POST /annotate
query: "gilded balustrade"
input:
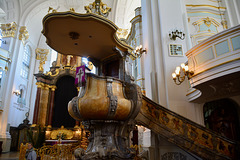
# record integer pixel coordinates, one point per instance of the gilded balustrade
(185, 133)
(57, 151)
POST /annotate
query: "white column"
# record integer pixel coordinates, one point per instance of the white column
(185, 23)
(230, 19)
(237, 10)
(4, 132)
(159, 54)
(149, 63)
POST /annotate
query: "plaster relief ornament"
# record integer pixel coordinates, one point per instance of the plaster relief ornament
(9, 29)
(42, 56)
(23, 34)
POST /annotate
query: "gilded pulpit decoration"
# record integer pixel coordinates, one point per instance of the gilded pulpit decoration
(42, 56)
(23, 34)
(122, 33)
(98, 7)
(51, 9)
(69, 57)
(72, 10)
(9, 29)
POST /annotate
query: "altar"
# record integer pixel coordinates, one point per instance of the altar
(60, 142)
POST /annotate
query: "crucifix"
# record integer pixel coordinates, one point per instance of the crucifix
(80, 75)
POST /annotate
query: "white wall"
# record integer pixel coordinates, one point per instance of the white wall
(160, 17)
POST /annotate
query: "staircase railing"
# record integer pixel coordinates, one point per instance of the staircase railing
(185, 133)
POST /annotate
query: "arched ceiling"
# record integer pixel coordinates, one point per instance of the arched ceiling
(33, 11)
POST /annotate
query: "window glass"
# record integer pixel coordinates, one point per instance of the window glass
(25, 63)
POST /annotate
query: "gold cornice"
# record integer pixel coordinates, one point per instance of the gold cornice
(208, 6)
(9, 29)
(204, 12)
(203, 34)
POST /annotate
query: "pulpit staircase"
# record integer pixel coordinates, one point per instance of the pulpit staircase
(185, 133)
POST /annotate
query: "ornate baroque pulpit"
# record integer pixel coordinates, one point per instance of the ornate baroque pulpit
(108, 102)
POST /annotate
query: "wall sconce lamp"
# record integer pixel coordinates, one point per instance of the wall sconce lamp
(17, 93)
(139, 51)
(178, 79)
(176, 34)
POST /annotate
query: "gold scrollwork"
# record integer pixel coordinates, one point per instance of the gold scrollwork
(9, 29)
(224, 24)
(62, 130)
(51, 9)
(122, 33)
(42, 56)
(23, 34)
(207, 21)
(99, 8)
(53, 75)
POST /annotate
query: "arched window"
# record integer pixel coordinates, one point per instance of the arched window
(26, 62)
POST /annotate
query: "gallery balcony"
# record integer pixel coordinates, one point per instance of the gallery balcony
(216, 66)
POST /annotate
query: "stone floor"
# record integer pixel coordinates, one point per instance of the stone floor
(9, 156)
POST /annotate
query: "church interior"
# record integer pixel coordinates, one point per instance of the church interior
(120, 79)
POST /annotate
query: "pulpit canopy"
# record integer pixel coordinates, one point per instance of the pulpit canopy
(86, 35)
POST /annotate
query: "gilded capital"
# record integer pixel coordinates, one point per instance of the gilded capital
(39, 85)
(9, 29)
(46, 86)
(53, 88)
(42, 56)
(23, 34)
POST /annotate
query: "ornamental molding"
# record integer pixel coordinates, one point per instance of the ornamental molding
(23, 34)
(9, 29)
(41, 54)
